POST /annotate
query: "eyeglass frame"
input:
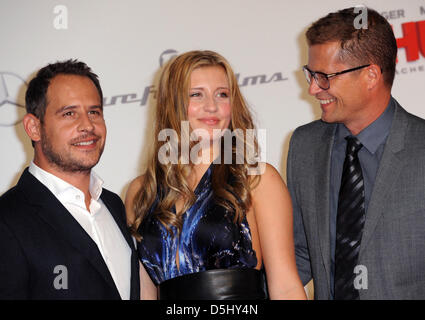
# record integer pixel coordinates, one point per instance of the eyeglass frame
(330, 75)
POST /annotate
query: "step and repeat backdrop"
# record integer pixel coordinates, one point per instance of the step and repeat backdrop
(126, 42)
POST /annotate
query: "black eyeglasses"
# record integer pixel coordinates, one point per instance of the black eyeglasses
(322, 79)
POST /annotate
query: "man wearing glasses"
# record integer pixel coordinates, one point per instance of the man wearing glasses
(357, 176)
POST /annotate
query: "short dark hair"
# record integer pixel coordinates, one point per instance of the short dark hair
(35, 97)
(376, 44)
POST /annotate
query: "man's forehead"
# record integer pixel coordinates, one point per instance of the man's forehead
(68, 80)
(327, 48)
(65, 87)
(324, 54)
(70, 83)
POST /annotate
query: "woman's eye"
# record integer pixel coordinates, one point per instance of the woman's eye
(195, 94)
(223, 95)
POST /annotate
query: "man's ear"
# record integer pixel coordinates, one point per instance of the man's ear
(373, 76)
(32, 127)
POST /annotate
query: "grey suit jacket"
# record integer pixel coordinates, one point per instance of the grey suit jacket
(392, 252)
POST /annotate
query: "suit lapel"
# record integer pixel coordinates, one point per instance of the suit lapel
(387, 175)
(56, 215)
(121, 222)
(116, 213)
(321, 185)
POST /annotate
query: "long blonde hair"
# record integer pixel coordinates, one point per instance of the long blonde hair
(172, 179)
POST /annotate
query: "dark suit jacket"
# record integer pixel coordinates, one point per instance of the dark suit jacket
(37, 234)
(392, 249)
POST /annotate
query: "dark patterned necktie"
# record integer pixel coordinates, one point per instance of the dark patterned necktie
(350, 222)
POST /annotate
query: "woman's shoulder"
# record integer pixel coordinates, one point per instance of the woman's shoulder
(271, 194)
(136, 183)
(267, 172)
(270, 178)
(133, 188)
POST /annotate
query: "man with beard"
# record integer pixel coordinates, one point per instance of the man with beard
(62, 236)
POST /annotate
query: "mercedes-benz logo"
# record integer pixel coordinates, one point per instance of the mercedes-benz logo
(12, 98)
(167, 55)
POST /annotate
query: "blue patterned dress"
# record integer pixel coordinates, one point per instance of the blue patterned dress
(209, 239)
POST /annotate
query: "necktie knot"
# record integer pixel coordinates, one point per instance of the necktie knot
(353, 145)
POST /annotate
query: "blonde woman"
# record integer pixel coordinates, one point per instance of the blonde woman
(208, 222)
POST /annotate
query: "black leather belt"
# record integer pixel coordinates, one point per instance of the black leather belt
(217, 284)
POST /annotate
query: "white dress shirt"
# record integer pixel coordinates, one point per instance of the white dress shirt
(98, 223)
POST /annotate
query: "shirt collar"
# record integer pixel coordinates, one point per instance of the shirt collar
(61, 188)
(373, 135)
